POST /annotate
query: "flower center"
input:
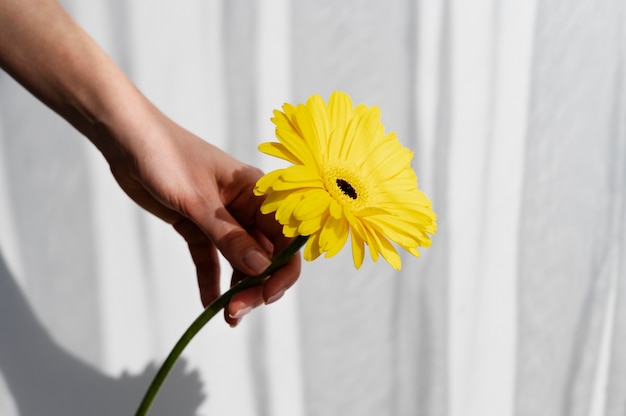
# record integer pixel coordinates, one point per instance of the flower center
(346, 185)
(346, 188)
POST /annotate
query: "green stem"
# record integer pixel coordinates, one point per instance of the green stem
(217, 305)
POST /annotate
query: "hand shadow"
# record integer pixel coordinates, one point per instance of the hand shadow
(44, 379)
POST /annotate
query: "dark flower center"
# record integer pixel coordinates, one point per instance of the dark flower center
(346, 188)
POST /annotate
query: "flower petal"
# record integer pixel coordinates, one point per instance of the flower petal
(314, 204)
(340, 110)
(358, 250)
(337, 237)
(312, 225)
(298, 176)
(336, 210)
(312, 248)
(397, 230)
(294, 143)
(280, 151)
(307, 127)
(264, 184)
(389, 159)
(321, 123)
(273, 201)
(388, 251)
(284, 212)
(301, 173)
(362, 134)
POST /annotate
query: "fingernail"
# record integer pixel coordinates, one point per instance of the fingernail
(241, 312)
(275, 297)
(256, 261)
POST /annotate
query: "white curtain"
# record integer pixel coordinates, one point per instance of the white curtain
(516, 113)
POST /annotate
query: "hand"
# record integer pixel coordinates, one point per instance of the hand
(203, 192)
(207, 196)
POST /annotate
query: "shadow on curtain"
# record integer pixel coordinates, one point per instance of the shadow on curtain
(47, 380)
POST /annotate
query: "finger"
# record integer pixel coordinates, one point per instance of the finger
(282, 279)
(243, 302)
(242, 251)
(207, 271)
(269, 292)
(262, 240)
(205, 258)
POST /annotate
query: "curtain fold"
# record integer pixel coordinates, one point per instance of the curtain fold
(566, 265)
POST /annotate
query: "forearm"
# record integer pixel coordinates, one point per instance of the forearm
(50, 55)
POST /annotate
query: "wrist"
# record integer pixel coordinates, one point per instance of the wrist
(117, 120)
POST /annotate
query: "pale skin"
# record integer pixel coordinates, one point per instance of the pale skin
(202, 191)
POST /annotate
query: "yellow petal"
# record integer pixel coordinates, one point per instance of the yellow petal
(264, 184)
(314, 204)
(349, 136)
(336, 210)
(413, 251)
(301, 173)
(389, 252)
(311, 225)
(371, 244)
(281, 185)
(340, 110)
(395, 229)
(361, 135)
(294, 143)
(273, 201)
(290, 230)
(339, 236)
(385, 167)
(361, 232)
(308, 131)
(420, 220)
(285, 211)
(290, 113)
(329, 233)
(280, 151)
(285, 119)
(424, 240)
(312, 248)
(358, 250)
(319, 115)
(379, 244)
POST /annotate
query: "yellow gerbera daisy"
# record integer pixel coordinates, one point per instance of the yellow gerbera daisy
(348, 178)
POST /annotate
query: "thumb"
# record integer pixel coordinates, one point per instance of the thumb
(242, 251)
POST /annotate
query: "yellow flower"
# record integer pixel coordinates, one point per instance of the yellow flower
(348, 178)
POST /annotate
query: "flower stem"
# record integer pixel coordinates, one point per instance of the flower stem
(218, 304)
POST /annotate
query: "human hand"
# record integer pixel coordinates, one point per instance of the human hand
(202, 191)
(207, 196)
